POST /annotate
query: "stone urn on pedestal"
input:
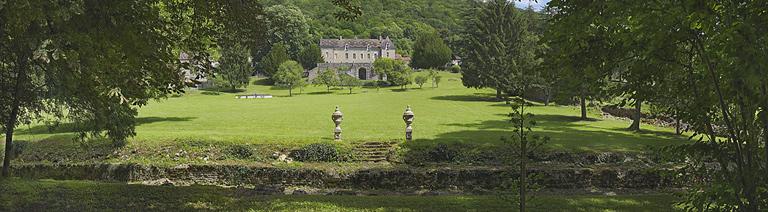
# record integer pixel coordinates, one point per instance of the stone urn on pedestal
(337, 117)
(408, 118)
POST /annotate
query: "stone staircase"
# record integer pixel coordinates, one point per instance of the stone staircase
(373, 151)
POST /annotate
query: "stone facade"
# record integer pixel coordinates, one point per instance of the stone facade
(356, 56)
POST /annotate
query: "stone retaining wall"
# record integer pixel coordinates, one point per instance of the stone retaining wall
(465, 179)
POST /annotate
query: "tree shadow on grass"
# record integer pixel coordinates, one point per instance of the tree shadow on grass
(223, 90)
(64, 149)
(72, 127)
(263, 81)
(320, 93)
(566, 133)
(467, 98)
(647, 132)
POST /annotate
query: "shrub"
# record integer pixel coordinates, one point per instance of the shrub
(420, 80)
(455, 69)
(238, 151)
(318, 152)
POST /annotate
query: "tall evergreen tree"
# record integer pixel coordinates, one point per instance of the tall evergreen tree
(274, 59)
(493, 49)
(430, 51)
(234, 66)
(310, 56)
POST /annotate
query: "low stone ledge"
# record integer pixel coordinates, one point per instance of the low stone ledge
(462, 179)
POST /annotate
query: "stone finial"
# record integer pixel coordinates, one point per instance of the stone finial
(408, 119)
(337, 117)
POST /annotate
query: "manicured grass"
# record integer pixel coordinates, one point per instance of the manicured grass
(450, 113)
(48, 195)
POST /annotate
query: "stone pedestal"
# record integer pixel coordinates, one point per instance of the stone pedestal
(408, 119)
(337, 117)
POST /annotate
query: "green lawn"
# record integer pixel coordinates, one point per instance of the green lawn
(450, 113)
(49, 195)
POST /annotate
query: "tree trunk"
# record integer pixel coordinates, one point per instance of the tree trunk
(764, 117)
(677, 126)
(546, 96)
(523, 157)
(9, 140)
(637, 116)
(583, 100)
(12, 118)
(290, 92)
(498, 94)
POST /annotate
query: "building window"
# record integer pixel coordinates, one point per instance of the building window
(387, 54)
(354, 56)
(347, 55)
(369, 55)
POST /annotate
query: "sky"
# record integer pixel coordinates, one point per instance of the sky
(537, 5)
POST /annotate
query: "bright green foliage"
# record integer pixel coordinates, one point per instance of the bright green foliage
(349, 82)
(234, 67)
(420, 80)
(436, 80)
(95, 62)
(289, 75)
(396, 71)
(430, 51)
(401, 74)
(383, 65)
(455, 69)
(434, 76)
(289, 26)
(276, 57)
(327, 78)
(310, 56)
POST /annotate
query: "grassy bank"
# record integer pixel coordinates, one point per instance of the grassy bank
(42, 195)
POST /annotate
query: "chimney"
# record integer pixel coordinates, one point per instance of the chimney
(379, 37)
(339, 37)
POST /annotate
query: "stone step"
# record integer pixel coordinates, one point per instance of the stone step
(374, 146)
(358, 151)
(372, 154)
(373, 151)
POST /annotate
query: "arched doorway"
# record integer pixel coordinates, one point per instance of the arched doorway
(362, 74)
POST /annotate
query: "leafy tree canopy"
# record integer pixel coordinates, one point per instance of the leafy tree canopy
(94, 62)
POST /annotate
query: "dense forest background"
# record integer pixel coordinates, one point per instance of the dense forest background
(401, 20)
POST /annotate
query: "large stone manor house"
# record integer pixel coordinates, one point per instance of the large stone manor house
(355, 56)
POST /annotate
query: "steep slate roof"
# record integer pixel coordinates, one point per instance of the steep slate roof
(357, 43)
